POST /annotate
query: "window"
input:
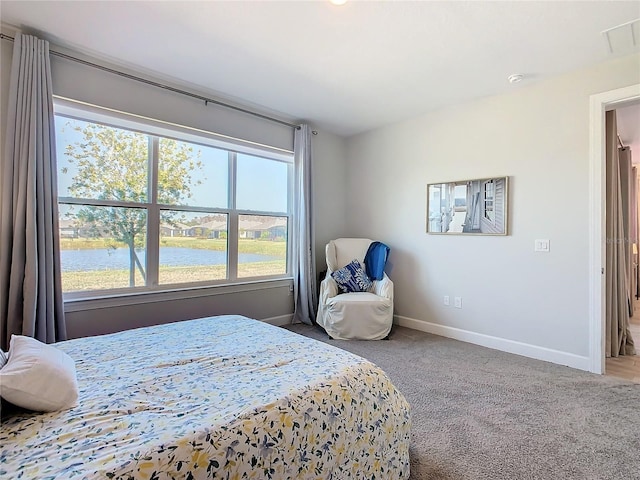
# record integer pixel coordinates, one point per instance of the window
(144, 207)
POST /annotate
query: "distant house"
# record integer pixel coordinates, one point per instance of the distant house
(175, 230)
(250, 227)
(68, 229)
(269, 228)
(213, 228)
(73, 229)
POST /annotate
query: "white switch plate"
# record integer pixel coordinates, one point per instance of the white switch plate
(457, 302)
(541, 245)
(445, 300)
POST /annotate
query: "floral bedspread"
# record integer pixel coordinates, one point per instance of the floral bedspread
(221, 397)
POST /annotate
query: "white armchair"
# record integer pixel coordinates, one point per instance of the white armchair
(354, 315)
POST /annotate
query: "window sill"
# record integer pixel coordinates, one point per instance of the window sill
(138, 298)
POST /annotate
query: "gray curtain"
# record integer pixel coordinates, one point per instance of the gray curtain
(618, 247)
(633, 199)
(304, 281)
(30, 284)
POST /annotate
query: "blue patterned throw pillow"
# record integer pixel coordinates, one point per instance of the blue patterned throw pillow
(352, 278)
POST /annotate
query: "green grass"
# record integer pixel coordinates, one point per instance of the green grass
(97, 280)
(85, 243)
(258, 247)
(108, 279)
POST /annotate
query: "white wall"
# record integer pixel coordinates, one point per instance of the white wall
(84, 83)
(330, 192)
(513, 298)
(87, 84)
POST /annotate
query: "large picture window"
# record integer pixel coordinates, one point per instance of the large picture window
(146, 211)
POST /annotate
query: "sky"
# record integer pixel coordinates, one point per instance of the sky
(261, 183)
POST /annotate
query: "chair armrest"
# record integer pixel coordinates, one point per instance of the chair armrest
(328, 289)
(384, 287)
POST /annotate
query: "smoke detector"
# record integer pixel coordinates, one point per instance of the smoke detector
(515, 77)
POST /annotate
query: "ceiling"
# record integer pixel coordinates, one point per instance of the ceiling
(346, 69)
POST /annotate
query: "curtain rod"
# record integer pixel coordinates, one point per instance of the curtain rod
(620, 142)
(166, 87)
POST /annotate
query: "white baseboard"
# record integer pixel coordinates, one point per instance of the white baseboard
(497, 343)
(279, 321)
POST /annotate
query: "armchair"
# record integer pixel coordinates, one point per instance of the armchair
(355, 315)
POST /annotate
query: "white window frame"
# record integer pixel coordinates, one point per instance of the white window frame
(155, 128)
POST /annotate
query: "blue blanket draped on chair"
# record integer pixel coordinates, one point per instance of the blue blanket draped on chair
(376, 259)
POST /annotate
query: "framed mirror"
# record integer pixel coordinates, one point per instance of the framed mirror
(468, 207)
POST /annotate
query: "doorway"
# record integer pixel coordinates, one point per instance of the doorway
(599, 104)
(627, 366)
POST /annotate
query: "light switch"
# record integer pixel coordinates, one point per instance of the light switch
(541, 245)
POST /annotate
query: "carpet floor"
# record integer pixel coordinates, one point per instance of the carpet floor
(479, 413)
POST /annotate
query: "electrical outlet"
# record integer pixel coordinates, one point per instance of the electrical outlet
(445, 300)
(458, 302)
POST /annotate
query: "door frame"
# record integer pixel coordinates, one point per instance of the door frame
(599, 104)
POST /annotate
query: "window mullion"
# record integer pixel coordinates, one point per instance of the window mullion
(232, 233)
(102, 203)
(153, 217)
(292, 201)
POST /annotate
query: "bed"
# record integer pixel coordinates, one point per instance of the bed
(221, 397)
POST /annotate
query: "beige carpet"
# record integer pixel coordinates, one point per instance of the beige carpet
(479, 413)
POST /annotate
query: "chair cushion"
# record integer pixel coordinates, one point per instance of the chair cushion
(352, 278)
(341, 251)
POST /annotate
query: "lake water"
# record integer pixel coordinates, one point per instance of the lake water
(118, 259)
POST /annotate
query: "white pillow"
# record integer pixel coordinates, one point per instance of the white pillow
(3, 358)
(38, 376)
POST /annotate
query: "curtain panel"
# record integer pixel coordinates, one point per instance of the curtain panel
(30, 282)
(304, 281)
(618, 341)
